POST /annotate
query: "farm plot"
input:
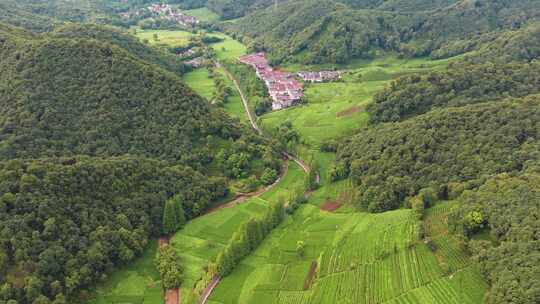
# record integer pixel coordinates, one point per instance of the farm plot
(362, 258)
(201, 239)
(199, 80)
(337, 109)
(137, 283)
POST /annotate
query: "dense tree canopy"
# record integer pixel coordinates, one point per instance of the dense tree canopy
(460, 85)
(65, 222)
(95, 137)
(510, 204)
(392, 161)
(121, 39)
(325, 31)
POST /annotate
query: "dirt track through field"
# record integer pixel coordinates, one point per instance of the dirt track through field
(208, 291)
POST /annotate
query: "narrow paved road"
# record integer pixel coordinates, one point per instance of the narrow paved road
(253, 121)
(208, 291)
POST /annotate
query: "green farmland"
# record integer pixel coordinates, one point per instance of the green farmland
(361, 258)
(200, 81)
(137, 283)
(226, 49)
(199, 242)
(337, 109)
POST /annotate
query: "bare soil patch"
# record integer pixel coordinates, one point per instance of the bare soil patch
(310, 275)
(349, 111)
(172, 296)
(330, 206)
(164, 240)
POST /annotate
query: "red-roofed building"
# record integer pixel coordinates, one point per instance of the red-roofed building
(282, 87)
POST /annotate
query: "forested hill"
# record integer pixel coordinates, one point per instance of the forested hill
(469, 133)
(325, 31)
(80, 96)
(121, 39)
(64, 223)
(42, 16)
(95, 137)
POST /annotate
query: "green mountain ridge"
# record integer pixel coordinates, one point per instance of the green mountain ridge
(329, 32)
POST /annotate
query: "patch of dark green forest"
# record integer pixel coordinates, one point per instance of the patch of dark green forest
(96, 135)
(469, 133)
(329, 32)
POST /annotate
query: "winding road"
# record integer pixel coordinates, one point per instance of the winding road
(253, 122)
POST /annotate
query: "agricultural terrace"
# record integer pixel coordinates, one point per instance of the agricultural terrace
(360, 258)
(336, 109)
(199, 242)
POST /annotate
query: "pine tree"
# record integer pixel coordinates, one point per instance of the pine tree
(180, 213)
(170, 218)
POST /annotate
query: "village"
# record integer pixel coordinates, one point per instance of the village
(172, 14)
(165, 12)
(283, 87)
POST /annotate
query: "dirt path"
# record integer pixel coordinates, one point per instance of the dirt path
(240, 198)
(208, 291)
(252, 121)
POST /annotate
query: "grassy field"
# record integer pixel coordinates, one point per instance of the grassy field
(166, 37)
(226, 49)
(338, 108)
(360, 258)
(234, 106)
(203, 14)
(200, 82)
(203, 85)
(201, 239)
(136, 283)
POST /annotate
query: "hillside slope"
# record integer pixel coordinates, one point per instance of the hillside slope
(325, 31)
(123, 40)
(93, 141)
(77, 96)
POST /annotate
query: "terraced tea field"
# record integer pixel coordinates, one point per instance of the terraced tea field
(361, 258)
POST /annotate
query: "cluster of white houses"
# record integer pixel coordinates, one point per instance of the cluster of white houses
(173, 14)
(322, 76)
(284, 89)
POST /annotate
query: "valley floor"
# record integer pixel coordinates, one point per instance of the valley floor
(349, 256)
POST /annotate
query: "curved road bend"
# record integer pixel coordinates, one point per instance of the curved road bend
(208, 291)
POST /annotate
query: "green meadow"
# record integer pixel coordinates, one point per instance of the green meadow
(225, 50)
(199, 242)
(203, 85)
(203, 14)
(337, 109)
(200, 81)
(359, 258)
(228, 49)
(136, 283)
(165, 37)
